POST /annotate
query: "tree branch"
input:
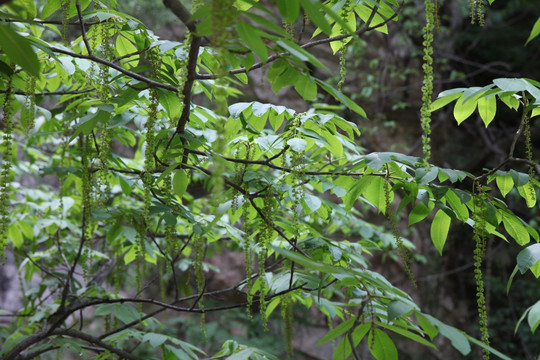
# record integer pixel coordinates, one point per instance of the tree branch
(94, 340)
(180, 11)
(110, 64)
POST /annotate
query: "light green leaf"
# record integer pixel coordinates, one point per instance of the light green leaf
(297, 145)
(420, 212)
(464, 108)
(528, 192)
(509, 99)
(15, 235)
(374, 192)
(439, 229)
(50, 7)
(306, 88)
(171, 102)
(505, 183)
(487, 107)
(381, 346)
(18, 49)
(334, 144)
(515, 228)
(443, 101)
(131, 254)
(528, 257)
(457, 205)
(534, 32)
(313, 10)
(25, 9)
(250, 36)
(430, 329)
(364, 12)
(180, 182)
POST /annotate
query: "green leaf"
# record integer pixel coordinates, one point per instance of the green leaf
(306, 88)
(457, 205)
(487, 107)
(439, 229)
(18, 49)
(420, 212)
(505, 183)
(534, 317)
(180, 182)
(250, 36)
(338, 95)
(425, 175)
(407, 334)
(528, 192)
(534, 32)
(313, 10)
(290, 9)
(520, 178)
(126, 187)
(515, 228)
(241, 355)
(381, 346)
(313, 202)
(456, 337)
(85, 126)
(398, 308)
(510, 279)
(430, 329)
(122, 312)
(337, 331)
(443, 101)
(464, 108)
(528, 257)
(15, 235)
(50, 7)
(374, 192)
(171, 102)
(154, 339)
(26, 9)
(297, 145)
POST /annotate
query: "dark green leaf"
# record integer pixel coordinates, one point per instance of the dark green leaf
(18, 49)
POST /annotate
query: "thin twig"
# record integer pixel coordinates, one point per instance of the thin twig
(83, 30)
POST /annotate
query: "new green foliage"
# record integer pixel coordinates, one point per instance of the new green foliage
(165, 162)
